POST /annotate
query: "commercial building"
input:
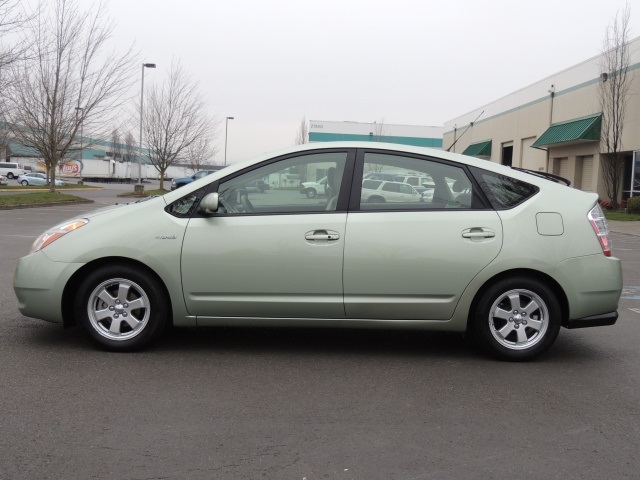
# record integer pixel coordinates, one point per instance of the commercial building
(554, 125)
(421, 136)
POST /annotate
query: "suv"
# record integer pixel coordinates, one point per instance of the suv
(378, 191)
(181, 182)
(311, 189)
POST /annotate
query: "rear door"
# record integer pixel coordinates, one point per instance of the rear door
(413, 258)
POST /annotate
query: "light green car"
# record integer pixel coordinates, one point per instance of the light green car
(506, 255)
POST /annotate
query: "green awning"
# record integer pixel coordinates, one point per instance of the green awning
(585, 129)
(479, 149)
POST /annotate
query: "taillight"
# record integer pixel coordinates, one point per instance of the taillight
(599, 224)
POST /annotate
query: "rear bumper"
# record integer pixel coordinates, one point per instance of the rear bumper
(601, 320)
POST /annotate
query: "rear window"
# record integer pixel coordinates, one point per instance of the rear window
(504, 192)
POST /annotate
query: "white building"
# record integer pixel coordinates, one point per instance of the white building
(554, 125)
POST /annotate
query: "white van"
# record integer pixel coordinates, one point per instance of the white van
(11, 169)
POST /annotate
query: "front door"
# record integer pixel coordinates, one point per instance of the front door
(275, 253)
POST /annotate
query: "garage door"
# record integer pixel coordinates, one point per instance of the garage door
(532, 158)
(587, 173)
(561, 167)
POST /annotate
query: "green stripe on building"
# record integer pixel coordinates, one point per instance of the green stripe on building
(347, 137)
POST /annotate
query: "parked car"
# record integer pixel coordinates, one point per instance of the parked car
(259, 186)
(36, 179)
(11, 170)
(523, 257)
(4, 181)
(311, 189)
(181, 182)
(378, 191)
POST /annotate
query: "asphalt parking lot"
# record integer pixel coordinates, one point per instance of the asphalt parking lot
(317, 404)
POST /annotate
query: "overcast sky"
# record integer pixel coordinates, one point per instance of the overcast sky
(270, 63)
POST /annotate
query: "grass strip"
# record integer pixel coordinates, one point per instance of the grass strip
(621, 216)
(38, 198)
(147, 193)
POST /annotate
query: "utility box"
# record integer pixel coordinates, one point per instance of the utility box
(138, 189)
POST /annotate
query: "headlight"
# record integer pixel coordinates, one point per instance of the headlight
(56, 232)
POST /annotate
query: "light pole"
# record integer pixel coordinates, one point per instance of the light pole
(80, 109)
(144, 65)
(226, 128)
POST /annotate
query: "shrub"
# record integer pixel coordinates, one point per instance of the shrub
(633, 205)
(608, 204)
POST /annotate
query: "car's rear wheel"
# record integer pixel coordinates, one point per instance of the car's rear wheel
(122, 308)
(10, 176)
(517, 319)
(24, 183)
(311, 192)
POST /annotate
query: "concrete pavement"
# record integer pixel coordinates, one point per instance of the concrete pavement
(629, 228)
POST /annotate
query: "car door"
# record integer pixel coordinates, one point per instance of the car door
(412, 259)
(274, 254)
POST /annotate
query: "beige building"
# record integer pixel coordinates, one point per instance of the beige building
(554, 126)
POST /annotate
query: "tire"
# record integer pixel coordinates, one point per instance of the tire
(516, 319)
(24, 183)
(311, 192)
(10, 176)
(126, 295)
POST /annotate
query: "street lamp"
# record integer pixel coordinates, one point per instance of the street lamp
(226, 128)
(144, 65)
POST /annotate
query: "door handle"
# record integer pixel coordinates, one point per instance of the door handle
(478, 233)
(321, 235)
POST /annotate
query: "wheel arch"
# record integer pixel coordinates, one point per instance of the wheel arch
(76, 279)
(522, 272)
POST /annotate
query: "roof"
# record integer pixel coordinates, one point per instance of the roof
(479, 149)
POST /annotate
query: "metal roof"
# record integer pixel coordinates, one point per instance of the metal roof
(585, 129)
(479, 149)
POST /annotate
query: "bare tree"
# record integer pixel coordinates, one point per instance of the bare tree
(116, 145)
(200, 154)
(175, 119)
(302, 136)
(130, 148)
(613, 95)
(12, 18)
(71, 80)
(378, 130)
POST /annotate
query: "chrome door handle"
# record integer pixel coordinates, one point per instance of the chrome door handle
(478, 233)
(321, 235)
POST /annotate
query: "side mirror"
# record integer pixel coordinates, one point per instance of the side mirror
(210, 203)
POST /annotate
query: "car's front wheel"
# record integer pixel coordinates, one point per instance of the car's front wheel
(10, 176)
(24, 183)
(311, 192)
(122, 308)
(517, 319)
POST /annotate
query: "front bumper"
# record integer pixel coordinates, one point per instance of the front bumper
(39, 283)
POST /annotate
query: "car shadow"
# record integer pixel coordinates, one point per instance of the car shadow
(312, 341)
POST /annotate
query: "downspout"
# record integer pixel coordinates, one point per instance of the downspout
(552, 92)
